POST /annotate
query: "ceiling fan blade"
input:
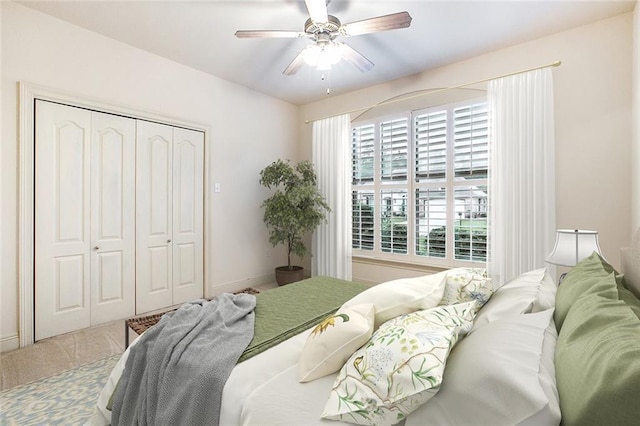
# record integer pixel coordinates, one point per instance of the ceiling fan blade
(380, 23)
(317, 10)
(269, 34)
(295, 65)
(350, 55)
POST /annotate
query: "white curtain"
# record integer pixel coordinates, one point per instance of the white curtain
(332, 159)
(522, 173)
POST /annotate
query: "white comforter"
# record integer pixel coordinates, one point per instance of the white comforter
(261, 390)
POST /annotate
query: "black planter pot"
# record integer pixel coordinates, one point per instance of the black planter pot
(284, 275)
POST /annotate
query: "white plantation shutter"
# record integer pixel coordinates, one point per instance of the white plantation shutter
(431, 214)
(393, 219)
(363, 154)
(471, 141)
(363, 208)
(470, 237)
(394, 143)
(430, 132)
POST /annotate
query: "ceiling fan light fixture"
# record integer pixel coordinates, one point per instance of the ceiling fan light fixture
(322, 56)
(311, 54)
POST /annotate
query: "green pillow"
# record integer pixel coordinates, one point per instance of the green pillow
(598, 362)
(630, 299)
(582, 279)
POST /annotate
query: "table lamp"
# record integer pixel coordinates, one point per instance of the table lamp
(573, 245)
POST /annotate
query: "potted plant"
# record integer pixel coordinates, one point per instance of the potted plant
(296, 207)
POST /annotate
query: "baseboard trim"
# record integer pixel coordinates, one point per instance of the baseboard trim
(9, 343)
(239, 285)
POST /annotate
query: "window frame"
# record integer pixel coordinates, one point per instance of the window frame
(450, 183)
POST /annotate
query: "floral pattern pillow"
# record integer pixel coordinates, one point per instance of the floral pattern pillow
(467, 284)
(400, 367)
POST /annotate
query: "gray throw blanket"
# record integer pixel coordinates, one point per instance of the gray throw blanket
(176, 373)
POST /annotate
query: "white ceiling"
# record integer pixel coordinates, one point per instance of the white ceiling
(200, 34)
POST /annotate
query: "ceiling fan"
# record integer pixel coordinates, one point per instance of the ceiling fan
(323, 29)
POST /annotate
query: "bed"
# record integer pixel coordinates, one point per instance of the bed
(528, 353)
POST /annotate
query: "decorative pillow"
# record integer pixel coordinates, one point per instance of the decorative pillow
(529, 292)
(334, 340)
(492, 377)
(466, 284)
(402, 296)
(598, 361)
(583, 279)
(400, 368)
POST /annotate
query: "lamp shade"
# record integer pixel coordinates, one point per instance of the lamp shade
(573, 245)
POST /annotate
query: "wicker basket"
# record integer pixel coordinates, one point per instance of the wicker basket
(142, 323)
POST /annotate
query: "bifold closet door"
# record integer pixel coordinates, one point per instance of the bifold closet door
(169, 216)
(62, 219)
(188, 219)
(112, 217)
(154, 183)
(84, 207)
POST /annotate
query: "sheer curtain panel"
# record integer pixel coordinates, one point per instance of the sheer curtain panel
(522, 173)
(332, 159)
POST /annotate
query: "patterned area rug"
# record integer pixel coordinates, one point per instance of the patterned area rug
(68, 398)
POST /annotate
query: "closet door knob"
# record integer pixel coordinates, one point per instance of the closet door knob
(96, 248)
(168, 241)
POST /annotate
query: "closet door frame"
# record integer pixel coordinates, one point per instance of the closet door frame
(28, 93)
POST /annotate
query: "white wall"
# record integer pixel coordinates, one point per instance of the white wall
(592, 117)
(635, 223)
(247, 131)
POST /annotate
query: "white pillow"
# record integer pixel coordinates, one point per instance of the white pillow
(334, 340)
(549, 415)
(533, 291)
(400, 368)
(467, 284)
(401, 296)
(546, 294)
(492, 377)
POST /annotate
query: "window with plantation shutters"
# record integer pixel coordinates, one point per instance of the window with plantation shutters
(420, 185)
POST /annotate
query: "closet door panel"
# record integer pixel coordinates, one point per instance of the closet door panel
(188, 220)
(154, 199)
(112, 218)
(62, 220)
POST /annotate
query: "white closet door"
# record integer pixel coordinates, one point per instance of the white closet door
(188, 221)
(62, 220)
(112, 217)
(154, 181)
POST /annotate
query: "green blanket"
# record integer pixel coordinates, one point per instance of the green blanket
(285, 311)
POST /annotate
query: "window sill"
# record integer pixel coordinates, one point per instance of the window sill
(366, 260)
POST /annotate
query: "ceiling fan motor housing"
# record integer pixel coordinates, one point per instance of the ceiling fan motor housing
(331, 27)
